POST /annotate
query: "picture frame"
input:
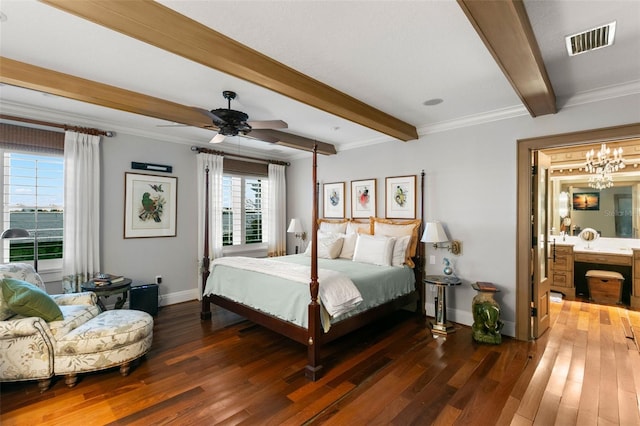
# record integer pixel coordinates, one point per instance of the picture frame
(363, 198)
(400, 197)
(150, 205)
(333, 200)
(586, 201)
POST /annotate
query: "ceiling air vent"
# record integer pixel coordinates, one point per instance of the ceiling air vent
(591, 39)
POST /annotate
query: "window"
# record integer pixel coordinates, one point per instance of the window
(242, 203)
(33, 191)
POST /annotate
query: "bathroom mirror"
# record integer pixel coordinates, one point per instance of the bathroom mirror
(577, 202)
(609, 211)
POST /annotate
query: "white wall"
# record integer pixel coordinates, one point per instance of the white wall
(470, 186)
(141, 259)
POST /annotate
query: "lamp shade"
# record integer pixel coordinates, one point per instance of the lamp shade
(295, 226)
(434, 233)
(15, 233)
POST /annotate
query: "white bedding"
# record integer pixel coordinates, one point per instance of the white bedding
(337, 292)
(288, 299)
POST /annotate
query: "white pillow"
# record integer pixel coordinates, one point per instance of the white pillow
(374, 249)
(358, 227)
(400, 250)
(329, 245)
(392, 228)
(333, 227)
(348, 246)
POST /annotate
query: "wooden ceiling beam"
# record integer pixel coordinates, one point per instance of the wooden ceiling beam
(504, 27)
(32, 77)
(166, 29)
(44, 80)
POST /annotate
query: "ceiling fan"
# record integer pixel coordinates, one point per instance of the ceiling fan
(232, 123)
(229, 122)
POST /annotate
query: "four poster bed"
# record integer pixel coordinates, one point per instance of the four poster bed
(309, 312)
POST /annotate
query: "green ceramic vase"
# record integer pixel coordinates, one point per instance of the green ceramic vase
(486, 319)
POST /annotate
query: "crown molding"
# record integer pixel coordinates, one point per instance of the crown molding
(597, 95)
(602, 94)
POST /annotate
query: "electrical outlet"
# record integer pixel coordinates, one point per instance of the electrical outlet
(158, 279)
(432, 260)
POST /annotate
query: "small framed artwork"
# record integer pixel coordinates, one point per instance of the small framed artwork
(333, 201)
(363, 198)
(586, 201)
(150, 205)
(401, 197)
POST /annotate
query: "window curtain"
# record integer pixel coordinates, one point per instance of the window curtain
(215, 165)
(81, 238)
(276, 217)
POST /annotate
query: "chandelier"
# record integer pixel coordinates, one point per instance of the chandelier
(601, 165)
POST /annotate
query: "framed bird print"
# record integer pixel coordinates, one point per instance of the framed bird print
(334, 199)
(150, 205)
(401, 197)
(363, 198)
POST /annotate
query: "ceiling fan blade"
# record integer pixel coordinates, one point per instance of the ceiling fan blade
(262, 135)
(292, 141)
(268, 124)
(217, 138)
(212, 116)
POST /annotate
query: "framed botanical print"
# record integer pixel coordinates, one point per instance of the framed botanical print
(333, 200)
(363, 198)
(400, 197)
(150, 205)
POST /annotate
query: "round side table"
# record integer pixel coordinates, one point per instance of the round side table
(440, 325)
(107, 290)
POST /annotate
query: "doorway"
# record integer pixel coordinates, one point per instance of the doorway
(524, 291)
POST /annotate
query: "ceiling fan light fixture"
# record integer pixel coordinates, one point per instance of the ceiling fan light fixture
(217, 138)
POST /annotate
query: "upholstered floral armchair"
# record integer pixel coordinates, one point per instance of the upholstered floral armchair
(44, 335)
(30, 323)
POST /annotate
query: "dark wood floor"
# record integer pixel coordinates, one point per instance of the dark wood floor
(229, 371)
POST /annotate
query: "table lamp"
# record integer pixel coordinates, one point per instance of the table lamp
(434, 233)
(295, 227)
(12, 233)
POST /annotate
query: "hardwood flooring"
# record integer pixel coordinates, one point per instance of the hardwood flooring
(585, 370)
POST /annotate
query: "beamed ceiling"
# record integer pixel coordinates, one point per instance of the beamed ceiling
(335, 86)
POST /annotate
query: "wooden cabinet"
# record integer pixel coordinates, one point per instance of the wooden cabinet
(561, 270)
(606, 258)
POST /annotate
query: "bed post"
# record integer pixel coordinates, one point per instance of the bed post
(419, 270)
(205, 312)
(313, 370)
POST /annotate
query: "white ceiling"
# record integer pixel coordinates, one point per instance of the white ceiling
(392, 55)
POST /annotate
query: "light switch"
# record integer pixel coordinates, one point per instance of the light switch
(432, 260)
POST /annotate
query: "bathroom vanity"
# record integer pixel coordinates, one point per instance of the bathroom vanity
(570, 259)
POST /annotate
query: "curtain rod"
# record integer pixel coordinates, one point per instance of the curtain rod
(79, 129)
(224, 154)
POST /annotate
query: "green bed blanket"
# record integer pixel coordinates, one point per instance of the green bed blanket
(289, 300)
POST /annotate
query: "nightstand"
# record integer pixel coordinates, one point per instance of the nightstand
(440, 325)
